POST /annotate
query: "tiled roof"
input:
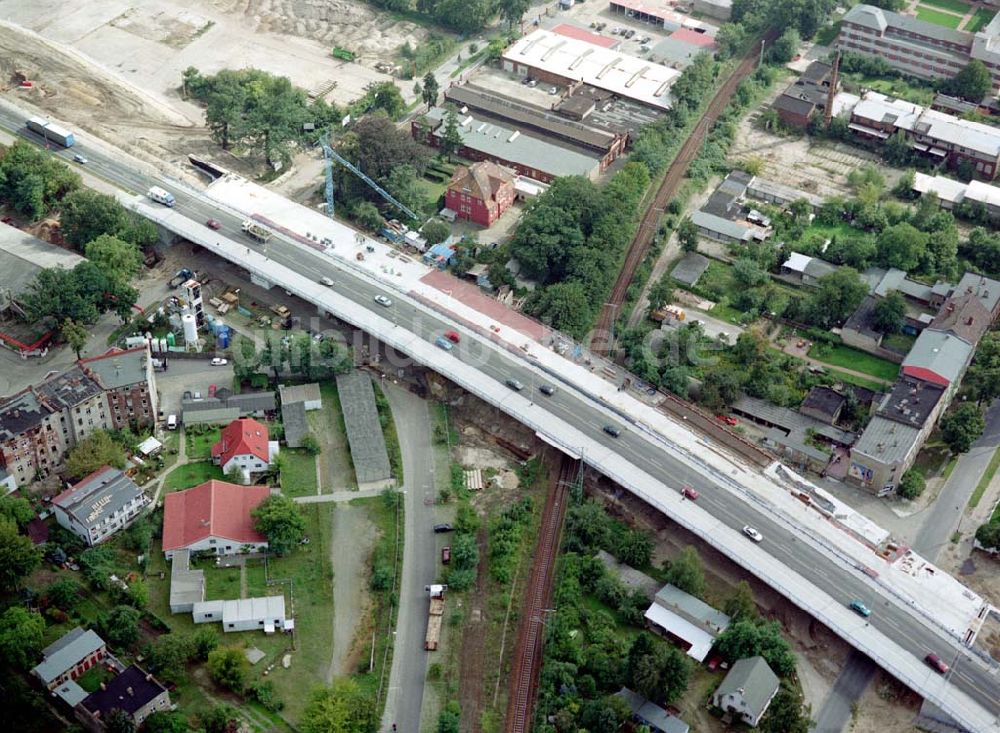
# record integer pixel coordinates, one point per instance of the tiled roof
(242, 437)
(481, 180)
(212, 509)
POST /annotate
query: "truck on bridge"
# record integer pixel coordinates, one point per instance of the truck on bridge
(436, 616)
(52, 132)
(257, 231)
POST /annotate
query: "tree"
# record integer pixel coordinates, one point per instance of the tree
(450, 718)
(748, 639)
(204, 640)
(912, 484)
(901, 245)
(33, 181)
(890, 313)
(741, 606)
(512, 10)
(17, 509)
(169, 654)
(21, 633)
(165, 722)
(85, 215)
(983, 378)
(451, 139)
(18, 555)
(988, 534)
(836, 297)
(730, 39)
(280, 520)
(119, 261)
(64, 594)
(686, 573)
(962, 427)
(787, 713)
(219, 719)
(121, 626)
(94, 451)
(973, 83)
(367, 216)
(119, 721)
(897, 149)
(784, 49)
(310, 444)
(137, 594)
(634, 548)
(341, 708)
(76, 335)
(430, 91)
(687, 235)
(564, 305)
(228, 666)
(435, 231)
(661, 293)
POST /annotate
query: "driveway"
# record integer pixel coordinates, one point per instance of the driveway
(189, 374)
(409, 660)
(350, 587)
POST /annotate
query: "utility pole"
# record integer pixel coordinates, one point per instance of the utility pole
(760, 61)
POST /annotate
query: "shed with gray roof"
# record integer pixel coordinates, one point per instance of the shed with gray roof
(22, 257)
(747, 690)
(364, 431)
(690, 269)
(652, 716)
(308, 394)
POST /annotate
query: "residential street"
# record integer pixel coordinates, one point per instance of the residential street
(409, 660)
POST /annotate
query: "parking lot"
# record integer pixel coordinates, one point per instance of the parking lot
(195, 375)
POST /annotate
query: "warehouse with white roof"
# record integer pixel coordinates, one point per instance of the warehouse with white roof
(556, 59)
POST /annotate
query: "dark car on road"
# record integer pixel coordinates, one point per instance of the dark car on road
(936, 663)
(611, 430)
(547, 390)
(442, 528)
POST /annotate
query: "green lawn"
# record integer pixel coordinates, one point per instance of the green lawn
(901, 88)
(979, 20)
(221, 584)
(984, 482)
(91, 679)
(327, 424)
(199, 447)
(901, 343)
(946, 20)
(859, 361)
(955, 6)
(298, 472)
(191, 474)
(857, 381)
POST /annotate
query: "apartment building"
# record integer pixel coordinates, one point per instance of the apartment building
(916, 47)
(100, 505)
(41, 423)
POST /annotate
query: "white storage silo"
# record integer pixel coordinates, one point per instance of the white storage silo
(190, 325)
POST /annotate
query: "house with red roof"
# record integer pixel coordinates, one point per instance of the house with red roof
(244, 447)
(481, 192)
(213, 517)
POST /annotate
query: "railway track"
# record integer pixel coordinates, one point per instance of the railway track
(601, 339)
(530, 634)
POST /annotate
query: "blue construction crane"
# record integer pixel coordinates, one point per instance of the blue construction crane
(330, 155)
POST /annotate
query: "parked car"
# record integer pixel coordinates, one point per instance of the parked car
(936, 663)
(553, 90)
(752, 533)
(514, 384)
(442, 528)
(532, 82)
(611, 430)
(727, 419)
(442, 343)
(187, 395)
(547, 389)
(317, 337)
(383, 300)
(219, 361)
(213, 224)
(211, 390)
(452, 336)
(689, 493)
(860, 608)
(446, 554)
(326, 281)
(80, 159)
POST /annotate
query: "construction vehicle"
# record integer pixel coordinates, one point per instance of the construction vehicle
(668, 311)
(343, 54)
(435, 617)
(279, 310)
(181, 275)
(255, 230)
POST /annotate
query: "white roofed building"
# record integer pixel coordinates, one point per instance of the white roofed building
(556, 59)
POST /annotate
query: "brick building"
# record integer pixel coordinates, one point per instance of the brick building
(481, 192)
(69, 657)
(129, 384)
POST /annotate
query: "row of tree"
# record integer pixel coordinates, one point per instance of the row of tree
(467, 16)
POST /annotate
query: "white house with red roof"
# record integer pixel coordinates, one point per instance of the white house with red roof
(214, 517)
(244, 446)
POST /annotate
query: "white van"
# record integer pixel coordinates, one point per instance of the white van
(161, 196)
(172, 422)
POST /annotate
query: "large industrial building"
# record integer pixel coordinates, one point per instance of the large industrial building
(557, 59)
(917, 47)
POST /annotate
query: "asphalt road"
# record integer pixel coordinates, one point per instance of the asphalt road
(907, 630)
(420, 558)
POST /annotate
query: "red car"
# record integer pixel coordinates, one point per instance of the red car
(446, 554)
(936, 663)
(213, 224)
(452, 336)
(689, 493)
(727, 419)
(211, 390)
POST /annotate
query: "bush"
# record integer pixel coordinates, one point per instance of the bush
(912, 484)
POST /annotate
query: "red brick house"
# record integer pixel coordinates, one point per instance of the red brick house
(481, 192)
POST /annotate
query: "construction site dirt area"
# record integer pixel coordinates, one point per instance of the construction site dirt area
(113, 68)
